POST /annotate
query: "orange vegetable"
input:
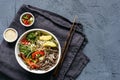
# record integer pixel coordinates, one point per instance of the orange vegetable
(36, 53)
(31, 64)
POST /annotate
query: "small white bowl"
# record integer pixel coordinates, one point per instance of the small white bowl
(20, 61)
(10, 35)
(22, 21)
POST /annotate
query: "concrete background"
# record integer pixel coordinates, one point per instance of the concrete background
(101, 20)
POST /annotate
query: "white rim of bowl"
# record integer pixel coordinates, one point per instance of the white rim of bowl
(7, 30)
(25, 66)
(23, 23)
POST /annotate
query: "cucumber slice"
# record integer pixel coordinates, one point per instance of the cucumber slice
(49, 44)
(46, 37)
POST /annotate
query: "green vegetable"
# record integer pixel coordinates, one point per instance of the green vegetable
(25, 17)
(29, 54)
(25, 49)
(31, 36)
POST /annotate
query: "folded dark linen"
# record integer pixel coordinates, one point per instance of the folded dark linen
(59, 26)
(77, 66)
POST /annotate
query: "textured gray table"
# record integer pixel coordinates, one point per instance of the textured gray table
(101, 20)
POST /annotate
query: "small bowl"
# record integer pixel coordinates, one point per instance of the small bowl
(27, 19)
(10, 35)
(20, 61)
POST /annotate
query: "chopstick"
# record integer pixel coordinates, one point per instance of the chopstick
(65, 48)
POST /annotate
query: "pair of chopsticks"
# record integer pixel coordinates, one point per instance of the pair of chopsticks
(64, 49)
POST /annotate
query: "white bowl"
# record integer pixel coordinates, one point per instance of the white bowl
(25, 24)
(20, 61)
(10, 35)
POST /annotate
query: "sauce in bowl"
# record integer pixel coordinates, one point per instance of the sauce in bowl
(10, 35)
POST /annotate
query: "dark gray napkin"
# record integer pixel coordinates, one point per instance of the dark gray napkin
(59, 26)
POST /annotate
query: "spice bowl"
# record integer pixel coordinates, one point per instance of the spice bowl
(10, 35)
(27, 19)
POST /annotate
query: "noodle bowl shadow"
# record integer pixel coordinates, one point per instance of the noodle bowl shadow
(21, 62)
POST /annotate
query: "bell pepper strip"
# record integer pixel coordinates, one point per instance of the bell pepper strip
(34, 55)
(31, 64)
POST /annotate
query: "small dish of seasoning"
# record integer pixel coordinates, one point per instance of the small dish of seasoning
(10, 35)
(27, 19)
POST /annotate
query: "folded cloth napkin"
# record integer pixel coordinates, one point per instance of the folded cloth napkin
(59, 26)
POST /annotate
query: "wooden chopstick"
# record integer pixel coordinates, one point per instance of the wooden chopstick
(65, 47)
